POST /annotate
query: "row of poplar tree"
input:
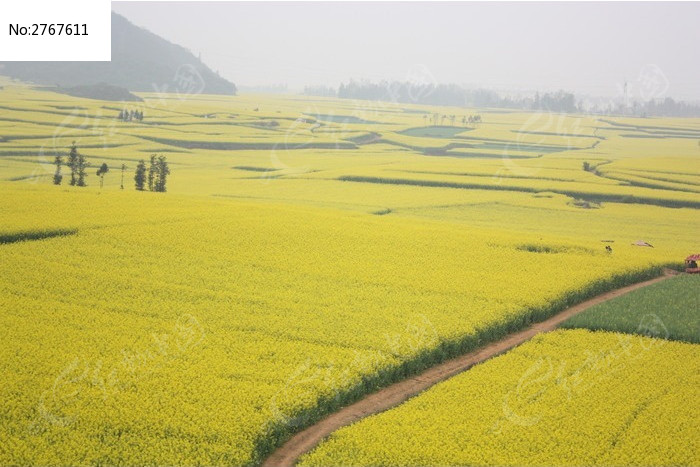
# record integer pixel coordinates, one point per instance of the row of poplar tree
(129, 115)
(154, 177)
(77, 165)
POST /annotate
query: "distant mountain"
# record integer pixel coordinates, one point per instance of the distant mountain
(141, 61)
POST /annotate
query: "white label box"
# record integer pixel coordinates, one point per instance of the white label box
(59, 30)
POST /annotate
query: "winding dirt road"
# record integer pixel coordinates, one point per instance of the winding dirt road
(393, 395)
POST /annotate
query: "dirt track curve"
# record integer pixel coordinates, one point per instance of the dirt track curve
(393, 395)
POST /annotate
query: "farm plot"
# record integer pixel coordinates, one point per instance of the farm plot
(670, 309)
(570, 397)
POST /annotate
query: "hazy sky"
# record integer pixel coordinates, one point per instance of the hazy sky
(590, 48)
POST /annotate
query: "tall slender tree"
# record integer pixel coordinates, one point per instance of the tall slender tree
(163, 172)
(81, 166)
(140, 176)
(57, 176)
(104, 168)
(73, 163)
(152, 173)
(123, 170)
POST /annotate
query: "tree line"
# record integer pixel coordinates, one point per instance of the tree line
(154, 177)
(437, 119)
(130, 115)
(77, 163)
(442, 95)
(455, 95)
(662, 107)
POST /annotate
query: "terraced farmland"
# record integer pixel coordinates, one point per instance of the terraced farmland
(307, 252)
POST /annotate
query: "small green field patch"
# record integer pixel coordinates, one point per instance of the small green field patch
(668, 309)
(434, 131)
(254, 169)
(340, 118)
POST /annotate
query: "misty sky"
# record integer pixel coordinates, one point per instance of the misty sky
(589, 48)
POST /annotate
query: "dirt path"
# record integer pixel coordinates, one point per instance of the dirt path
(393, 395)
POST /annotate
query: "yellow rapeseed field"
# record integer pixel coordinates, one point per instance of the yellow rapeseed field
(564, 398)
(308, 251)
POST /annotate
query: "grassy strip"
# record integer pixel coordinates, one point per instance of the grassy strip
(56, 112)
(648, 176)
(20, 178)
(669, 309)
(527, 147)
(280, 432)
(232, 146)
(594, 197)
(15, 237)
(480, 155)
(553, 133)
(656, 171)
(365, 138)
(445, 150)
(647, 184)
(482, 175)
(644, 127)
(51, 124)
(659, 136)
(254, 169)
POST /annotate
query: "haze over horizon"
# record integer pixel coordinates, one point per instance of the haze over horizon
(587, 48)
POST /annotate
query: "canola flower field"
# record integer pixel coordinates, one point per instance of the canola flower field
(307, 252)
(569, 397)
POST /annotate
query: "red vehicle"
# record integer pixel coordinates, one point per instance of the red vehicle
(691, 264)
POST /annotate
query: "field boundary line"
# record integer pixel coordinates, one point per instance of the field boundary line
(391, 396)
